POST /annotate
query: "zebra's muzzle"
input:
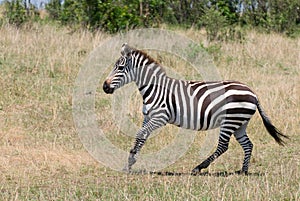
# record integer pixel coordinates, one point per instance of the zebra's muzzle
(107, 89)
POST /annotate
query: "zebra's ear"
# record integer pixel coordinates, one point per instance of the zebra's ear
(126, 50)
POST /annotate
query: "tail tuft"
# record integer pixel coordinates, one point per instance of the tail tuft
(272, 130)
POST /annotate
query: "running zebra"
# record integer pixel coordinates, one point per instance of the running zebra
(191, 105)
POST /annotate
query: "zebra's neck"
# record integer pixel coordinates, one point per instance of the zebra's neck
(147, 71)
(149, 77)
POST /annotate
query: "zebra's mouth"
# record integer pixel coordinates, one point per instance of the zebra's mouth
(107, 89)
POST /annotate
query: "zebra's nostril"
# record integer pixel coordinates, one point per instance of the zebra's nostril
(107, 89)
(105, 85)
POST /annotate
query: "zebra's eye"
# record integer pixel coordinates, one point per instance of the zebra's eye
(121, 68)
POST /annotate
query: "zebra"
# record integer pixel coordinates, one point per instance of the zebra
(188, 104)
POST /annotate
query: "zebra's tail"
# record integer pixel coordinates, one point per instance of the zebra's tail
(272, 130)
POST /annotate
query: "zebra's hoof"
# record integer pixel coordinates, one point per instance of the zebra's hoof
(241, 172)
(195, 171)
(126, 169)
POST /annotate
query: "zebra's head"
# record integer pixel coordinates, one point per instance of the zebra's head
(122, 71)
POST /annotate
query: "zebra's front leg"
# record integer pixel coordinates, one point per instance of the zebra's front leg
(139, 143)
(141, 137)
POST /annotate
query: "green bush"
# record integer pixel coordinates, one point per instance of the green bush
(220, 18)
(281, 16)
(214, 23)
(15, 12)
(107, 16)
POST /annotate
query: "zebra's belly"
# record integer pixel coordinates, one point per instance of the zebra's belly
(197, 124)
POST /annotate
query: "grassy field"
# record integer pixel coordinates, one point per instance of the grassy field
(42, 158)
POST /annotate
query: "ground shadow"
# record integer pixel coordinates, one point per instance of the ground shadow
(215, 174)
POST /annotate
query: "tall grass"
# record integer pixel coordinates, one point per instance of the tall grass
(42, 156)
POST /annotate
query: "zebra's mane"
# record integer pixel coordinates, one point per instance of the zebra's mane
(146, 56)
(150, 59)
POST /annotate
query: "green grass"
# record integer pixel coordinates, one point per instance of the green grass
(42, 157)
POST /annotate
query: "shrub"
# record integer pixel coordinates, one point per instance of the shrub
(214, 22)
(15, 12)
(107, 16)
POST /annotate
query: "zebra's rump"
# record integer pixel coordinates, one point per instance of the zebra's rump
(207, 105)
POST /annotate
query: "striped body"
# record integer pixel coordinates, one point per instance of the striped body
(191, 105)
(200, 105)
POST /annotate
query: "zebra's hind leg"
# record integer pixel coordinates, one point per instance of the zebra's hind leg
(241, 136)
(222, 148)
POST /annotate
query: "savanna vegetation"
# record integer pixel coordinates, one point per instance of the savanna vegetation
(41, 155)
(222, 20)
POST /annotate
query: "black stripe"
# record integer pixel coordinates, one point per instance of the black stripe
(241, 98)
(240, 111)
(148, 92)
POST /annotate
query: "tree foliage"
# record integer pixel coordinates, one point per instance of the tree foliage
(105, 15)
(16, 12)
(216, 16)
(272, 15)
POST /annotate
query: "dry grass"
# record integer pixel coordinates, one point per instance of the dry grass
(42, 157)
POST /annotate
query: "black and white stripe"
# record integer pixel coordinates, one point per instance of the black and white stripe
(191, 105)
